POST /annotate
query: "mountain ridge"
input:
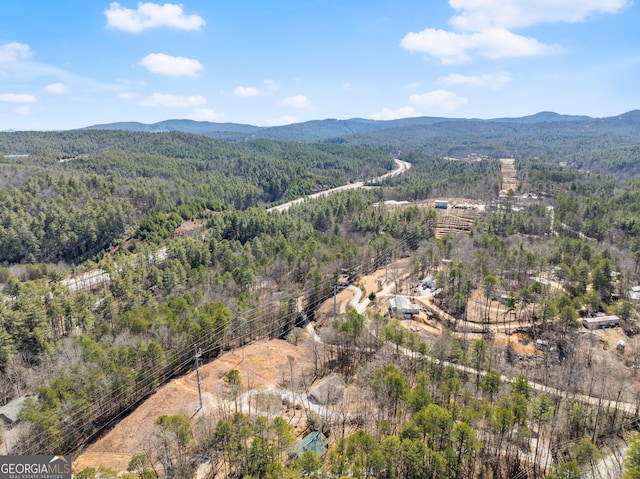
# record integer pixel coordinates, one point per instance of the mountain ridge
(336, 130)
(176, 124)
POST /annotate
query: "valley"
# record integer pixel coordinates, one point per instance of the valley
(325, 291)
(320, 240)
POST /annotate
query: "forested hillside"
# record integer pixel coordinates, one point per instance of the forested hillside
(315, 130)
(605, 144)
(191, 261)
(597, 144)
(77, 192)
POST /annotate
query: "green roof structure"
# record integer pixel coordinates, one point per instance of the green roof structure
(315, 442)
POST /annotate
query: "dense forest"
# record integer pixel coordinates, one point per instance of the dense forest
(92, 187)
(590, 144)
(605, 145)
(178, 223)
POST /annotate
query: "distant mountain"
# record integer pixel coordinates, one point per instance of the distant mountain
(315, 130)
(629, 118)
(185, 126)
(321, 130)
(343, 131)
(542, 117)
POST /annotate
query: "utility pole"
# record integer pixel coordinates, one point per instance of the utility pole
(197, 357)
(386, 269)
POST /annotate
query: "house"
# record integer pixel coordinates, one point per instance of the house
(541, 280)
(315, 442)
(401, 307)
(328, 390)
(601, 322)
(634, 294)
(442, 204)
(9, 412)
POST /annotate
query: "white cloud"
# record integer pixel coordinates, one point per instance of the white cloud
(477, 15)
(389, 114)
(205, 114)
(17, 98)
(271, 85)
(347, 86)
(452, 47)
(297, 101)
(127, 96)
(494, 81)
(173, 101)
(151, 15)
(10, 52)
(57, 88)
(171, 66)
(484, 27)
(438, 101)
(246, 91)
(23, 110)
(283, 120)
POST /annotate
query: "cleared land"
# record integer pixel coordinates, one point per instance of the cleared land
(261, 364)
(281, 364)
(509, 179)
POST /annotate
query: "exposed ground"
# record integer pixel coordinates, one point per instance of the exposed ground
(458, 217)
(271, 364)
(509, 179)
(455, 221)
(187, 227)
(261, 364)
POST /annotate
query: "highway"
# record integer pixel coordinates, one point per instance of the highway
(402, 167)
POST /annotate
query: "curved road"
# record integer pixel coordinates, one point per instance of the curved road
(402, 167)
(609, 466)
(360, 305)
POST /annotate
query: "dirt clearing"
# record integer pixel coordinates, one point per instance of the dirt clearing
(261, 364)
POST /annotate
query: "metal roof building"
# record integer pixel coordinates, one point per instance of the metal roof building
(9, 412)
(315, 442)
(400, 307)
(600, 322)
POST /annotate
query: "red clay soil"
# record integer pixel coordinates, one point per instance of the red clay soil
(261, 364)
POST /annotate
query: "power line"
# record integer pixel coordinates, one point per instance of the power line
(251, 316)
(211, 341)
(196, 357)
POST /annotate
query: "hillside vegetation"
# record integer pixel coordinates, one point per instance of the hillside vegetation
(195, 263)
(79, 191)
(596, 144)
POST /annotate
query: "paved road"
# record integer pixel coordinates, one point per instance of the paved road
(360, 305)
(402, 167)
(96, 278)
(608, 467)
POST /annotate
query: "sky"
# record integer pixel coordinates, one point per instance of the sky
(67, 64)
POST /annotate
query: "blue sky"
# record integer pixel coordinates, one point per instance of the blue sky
(73, 63)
